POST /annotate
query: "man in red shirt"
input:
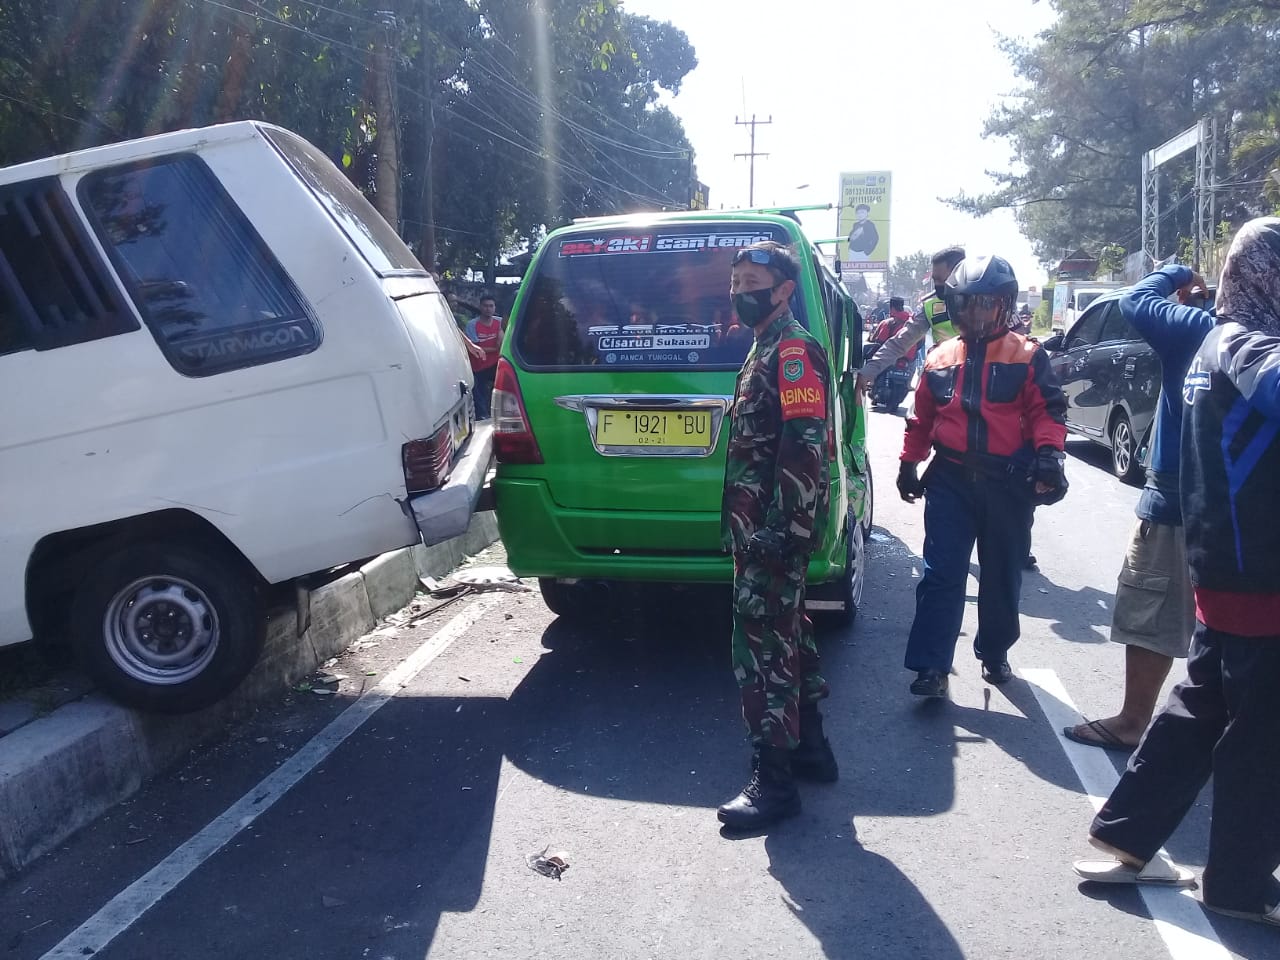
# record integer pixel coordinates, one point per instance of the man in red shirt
(897, 319)
(486, 332)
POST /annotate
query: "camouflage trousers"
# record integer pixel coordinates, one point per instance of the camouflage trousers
(775, 659)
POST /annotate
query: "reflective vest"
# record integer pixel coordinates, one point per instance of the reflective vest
(935, 311)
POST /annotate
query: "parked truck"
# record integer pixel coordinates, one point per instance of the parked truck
(1072, 297)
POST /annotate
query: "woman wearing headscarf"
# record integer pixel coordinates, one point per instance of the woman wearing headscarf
(1224, 718)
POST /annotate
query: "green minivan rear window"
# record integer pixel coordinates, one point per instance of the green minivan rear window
(639, 298)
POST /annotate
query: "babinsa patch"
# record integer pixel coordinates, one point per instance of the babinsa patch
(800, 389)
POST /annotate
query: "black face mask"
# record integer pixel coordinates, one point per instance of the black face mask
(939, 289)
(752, 306)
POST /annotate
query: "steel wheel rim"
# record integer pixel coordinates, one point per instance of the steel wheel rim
(1122, 441)
(858, 567)
(161, 630)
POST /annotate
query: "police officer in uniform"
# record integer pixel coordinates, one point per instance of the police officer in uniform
(932, 315)
(774, 510)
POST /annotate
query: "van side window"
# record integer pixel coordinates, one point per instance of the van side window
(53, 286)
(211, 291)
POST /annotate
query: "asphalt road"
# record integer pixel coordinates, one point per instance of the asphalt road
(396, 821)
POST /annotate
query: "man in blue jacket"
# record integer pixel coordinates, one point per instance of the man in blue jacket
(1154, 614)
(1222, 720)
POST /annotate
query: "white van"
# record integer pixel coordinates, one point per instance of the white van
(220, 368)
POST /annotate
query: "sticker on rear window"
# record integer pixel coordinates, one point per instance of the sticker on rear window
(604, 246)
(709, 241)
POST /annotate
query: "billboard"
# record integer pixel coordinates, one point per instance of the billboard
(864, 221)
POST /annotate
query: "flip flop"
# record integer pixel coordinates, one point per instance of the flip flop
(1271, 916)
(1106, 739)
(1158, 872)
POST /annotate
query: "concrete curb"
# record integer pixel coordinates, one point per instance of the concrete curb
(62, 771)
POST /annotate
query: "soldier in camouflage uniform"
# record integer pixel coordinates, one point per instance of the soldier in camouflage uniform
(775, 507)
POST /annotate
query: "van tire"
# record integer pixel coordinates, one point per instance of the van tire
(849, 587)
(869, 505)
(208, 624)
(582, 601)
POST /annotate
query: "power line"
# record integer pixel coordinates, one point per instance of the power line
(528, 97)
(608, 119)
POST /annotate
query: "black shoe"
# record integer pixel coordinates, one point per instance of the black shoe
(813, 759)
(1030, 562)
(997, 673)
(930, 683)
(768, 797)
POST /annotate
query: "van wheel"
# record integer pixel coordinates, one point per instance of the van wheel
(1125, 462)
(166, 627)
(848, 589)
(584, 600)
(868, 505)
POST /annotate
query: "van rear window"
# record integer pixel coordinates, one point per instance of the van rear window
(376, 239)
(640, 299)
(211, 291)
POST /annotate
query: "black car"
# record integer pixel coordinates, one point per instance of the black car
(1111, 378)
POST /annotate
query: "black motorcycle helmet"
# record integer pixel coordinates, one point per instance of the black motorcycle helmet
(983, 276)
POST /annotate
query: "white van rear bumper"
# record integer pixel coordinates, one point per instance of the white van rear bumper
(446, 512)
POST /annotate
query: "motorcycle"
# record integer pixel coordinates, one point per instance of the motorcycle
(892, 386)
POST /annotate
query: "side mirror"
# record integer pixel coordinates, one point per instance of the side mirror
(1054, 343)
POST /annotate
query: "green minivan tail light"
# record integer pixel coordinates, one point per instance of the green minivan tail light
(513, 440)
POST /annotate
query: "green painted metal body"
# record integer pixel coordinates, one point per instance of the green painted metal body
(581, 514)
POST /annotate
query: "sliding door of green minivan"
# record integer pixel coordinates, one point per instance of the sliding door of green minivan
(612, 401)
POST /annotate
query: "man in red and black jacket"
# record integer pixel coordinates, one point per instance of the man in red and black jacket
(992, 410)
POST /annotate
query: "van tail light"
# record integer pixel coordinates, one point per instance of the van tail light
(513, 440)
(427, 461)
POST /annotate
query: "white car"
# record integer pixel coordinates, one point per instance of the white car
(219, 369)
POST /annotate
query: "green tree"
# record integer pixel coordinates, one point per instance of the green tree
(906, 276)
(1110, 80)
(513, 115)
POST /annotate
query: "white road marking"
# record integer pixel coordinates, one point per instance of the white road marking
(1180, 920)
(128, 906)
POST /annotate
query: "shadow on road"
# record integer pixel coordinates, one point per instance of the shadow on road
(1079, 615)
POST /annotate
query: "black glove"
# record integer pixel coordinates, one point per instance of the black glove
(909, 486)
(766, 547)
(1049, 469)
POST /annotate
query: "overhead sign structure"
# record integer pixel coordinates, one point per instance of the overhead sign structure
(864, 221)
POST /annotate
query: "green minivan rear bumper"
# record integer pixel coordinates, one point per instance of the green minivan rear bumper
(543, 539)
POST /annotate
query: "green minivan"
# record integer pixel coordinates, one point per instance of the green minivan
(611, 399)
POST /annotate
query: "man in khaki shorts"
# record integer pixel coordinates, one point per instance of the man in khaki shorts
(1154, 614)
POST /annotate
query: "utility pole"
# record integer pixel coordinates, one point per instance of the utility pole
(427, 187)
(387, 178)
(752, 123)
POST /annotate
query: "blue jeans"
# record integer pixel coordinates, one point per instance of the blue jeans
(483, 387)
(962, 506)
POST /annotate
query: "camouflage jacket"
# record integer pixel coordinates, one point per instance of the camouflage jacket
(776, 469)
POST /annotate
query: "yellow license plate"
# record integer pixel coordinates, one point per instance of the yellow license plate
(654, 428)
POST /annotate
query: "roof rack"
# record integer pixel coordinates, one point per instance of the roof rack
(764, 210)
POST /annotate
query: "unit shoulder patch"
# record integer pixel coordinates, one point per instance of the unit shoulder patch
(800, 388)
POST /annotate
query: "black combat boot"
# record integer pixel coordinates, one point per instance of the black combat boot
(813, 759)
(768, 797)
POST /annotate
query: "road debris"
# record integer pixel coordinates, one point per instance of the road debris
(491, 578)
(553, 866)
